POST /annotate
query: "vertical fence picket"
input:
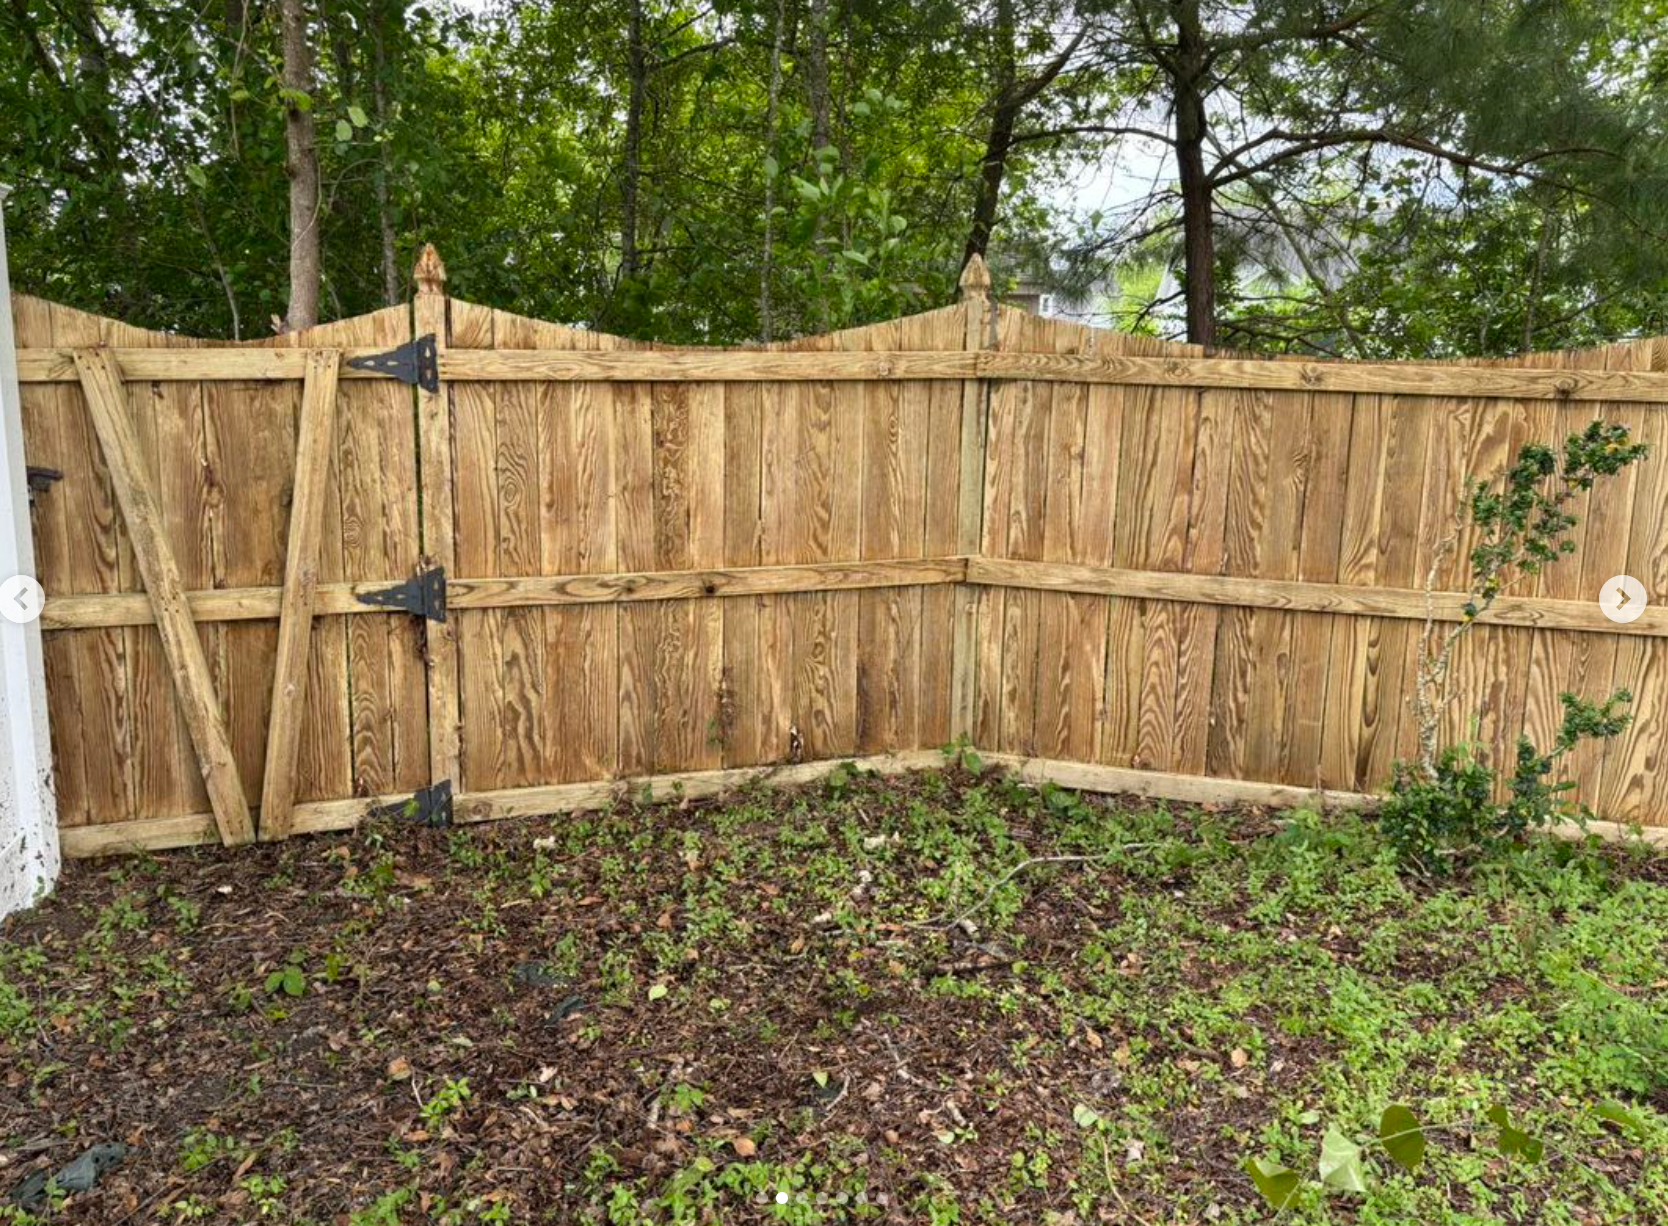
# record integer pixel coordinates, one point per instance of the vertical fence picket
(975, 412)
(101, 381)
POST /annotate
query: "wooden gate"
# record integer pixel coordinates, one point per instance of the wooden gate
(186, 497)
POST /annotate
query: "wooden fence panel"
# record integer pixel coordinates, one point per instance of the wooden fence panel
(219, 456)
(563, 478)
(685, 565)
(1267, 483)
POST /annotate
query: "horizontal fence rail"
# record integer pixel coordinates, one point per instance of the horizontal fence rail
(256, 604)
(565, 565)
(747, 366)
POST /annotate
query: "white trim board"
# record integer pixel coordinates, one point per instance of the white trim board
(29, 852)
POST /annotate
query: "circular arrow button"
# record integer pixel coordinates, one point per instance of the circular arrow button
(1623, 598)
(21, 599)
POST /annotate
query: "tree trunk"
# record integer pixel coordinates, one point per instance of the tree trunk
(816, 92)
(816, 77)
(637, 68)
(301, 164)
(772, 106)
(1011, 98)
(1198, 236)
(1004, 113)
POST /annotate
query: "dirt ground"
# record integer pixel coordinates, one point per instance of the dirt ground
(862, 1001)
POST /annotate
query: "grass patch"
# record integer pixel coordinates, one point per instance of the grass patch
(947, 999)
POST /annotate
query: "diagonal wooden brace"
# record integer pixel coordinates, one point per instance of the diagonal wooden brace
(301, 579)
(101, 380)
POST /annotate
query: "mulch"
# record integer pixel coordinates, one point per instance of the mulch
(446, 977)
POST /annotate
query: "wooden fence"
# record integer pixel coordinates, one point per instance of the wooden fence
(451, 563)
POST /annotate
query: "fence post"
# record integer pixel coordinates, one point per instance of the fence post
(970, 506)
(29, 856)
(430, 316)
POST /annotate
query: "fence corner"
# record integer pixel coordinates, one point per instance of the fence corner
(29, 853)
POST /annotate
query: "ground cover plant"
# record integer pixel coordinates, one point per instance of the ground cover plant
(946, 999)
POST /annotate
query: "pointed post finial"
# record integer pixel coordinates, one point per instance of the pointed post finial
(429, 273)
(975, 278)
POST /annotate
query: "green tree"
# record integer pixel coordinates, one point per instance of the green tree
(1291, 126)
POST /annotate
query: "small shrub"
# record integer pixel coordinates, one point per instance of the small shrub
(1437, 819)
(1443, 807)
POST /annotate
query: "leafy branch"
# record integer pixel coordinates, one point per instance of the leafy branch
(1342, 1165)
(1443, 807)
(1524, 518)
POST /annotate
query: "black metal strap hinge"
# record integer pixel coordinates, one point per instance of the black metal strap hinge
(415, 362)
(422, 595)
(430, 806)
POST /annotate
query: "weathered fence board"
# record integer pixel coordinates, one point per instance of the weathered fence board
(1263, 578)
(102, 385)
(317, 434)
(1126, 560)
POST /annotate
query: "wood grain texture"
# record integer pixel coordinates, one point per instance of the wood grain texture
(160, 762)
(438, 526)
(101, 383)
(1634, 786)
(97, 555)
(1356, 600)
(377, 462)
(46, 434)
(810, 365)
(157, 357)
(295, 625)
(1075, 546)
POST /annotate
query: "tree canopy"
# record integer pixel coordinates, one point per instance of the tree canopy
(1363, 177)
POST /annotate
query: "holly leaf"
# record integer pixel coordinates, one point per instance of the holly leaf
(1402, 1137)
(1276, 1183)
(1340, 1163)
